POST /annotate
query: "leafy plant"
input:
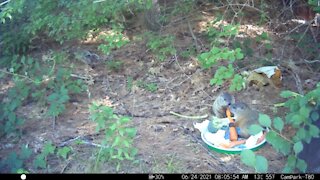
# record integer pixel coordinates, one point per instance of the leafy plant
(188, 52)
(59, 20)
(161, 46)
(129, 83)
(217, 31)
(114, 39)
(41, 159)
(152, 87)
(118, 140)
(301, 117)
(63, 152)
(114, 65)
(15, 162)
(8, 116)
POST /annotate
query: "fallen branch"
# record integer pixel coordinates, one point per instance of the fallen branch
(189, 117)
(3, 3)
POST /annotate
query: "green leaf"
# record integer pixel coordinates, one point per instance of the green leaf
(314, 130)
(255, 129)
(297, 147)
(25, 152)
(131, 132)
(287, 169)
(127, 156)
(314, 116)
(287, 94)
(304, 112)
(284, 146)
(63, 152)
(261, 164)
(278, 123)
(48, 149)
(264, 120)
(248, 157)
(291, 162)
(39, 162)
(297, 119)
(116, 141)
(301, 133)
(301, 165)
(14, 162)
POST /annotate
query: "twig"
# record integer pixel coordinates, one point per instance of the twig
(244, 5)
(69, 141)
(25, 77)
(64, 167)
(298, 82)
(3, 3)
(94, 144)
(311, 61)
(189, 117)
(80, 77)
(193, 36)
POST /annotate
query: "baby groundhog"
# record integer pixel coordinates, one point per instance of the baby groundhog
(221, 103)
(244, 117)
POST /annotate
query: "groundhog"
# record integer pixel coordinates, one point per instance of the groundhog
(244, 117)
(220, 105)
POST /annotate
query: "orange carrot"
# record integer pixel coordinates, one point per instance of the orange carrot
(233, 132)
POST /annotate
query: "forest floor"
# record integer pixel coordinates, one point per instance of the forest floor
(166, 143)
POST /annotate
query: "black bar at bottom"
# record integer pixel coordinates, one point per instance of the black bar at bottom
(155, 176)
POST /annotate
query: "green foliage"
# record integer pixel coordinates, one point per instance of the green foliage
(237, 83)
(301, 117)
(129, 83)
(161, 46)
(255, 129)
(152, 87)
(59, 20)
(57, 100)
(216, 54)
(118, 136)
(222, 74)
(188, 52)
(40, 161)
(315, 5)
(43, 81)
(114, 39)
(264, 120)
(114, 65)
(63, 152)
(260, 163)
(306, 44)
(216, 31)
(8, 117)
(208, 59)
(245, 45)
(16, 161)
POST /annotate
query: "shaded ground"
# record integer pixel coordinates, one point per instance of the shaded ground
(166, 143)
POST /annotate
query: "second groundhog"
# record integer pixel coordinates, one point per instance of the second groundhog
(221, 104)
(244, 117)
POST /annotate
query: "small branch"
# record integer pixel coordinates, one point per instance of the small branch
(94, 144)
(14, 74)
(3, 3)
(311, 61)
(193, 36)
(98, 1)
(189, 117)
(80, 77)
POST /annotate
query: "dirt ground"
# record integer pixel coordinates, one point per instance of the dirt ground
(166, 143)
